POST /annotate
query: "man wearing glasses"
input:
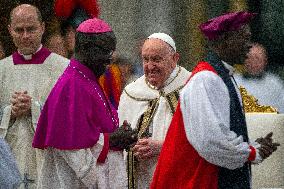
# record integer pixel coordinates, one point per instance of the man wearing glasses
(149, 103)
(73, 126)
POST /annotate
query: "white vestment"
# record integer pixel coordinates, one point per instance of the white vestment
(135, 101)
(66, 169)
(37, 80)
(205, 106)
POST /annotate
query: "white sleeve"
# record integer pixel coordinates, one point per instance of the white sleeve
(122, 108)
(36, 107)
(6, 117)
(205, 106)
(83, 163)
(258, 159)
(5, 120)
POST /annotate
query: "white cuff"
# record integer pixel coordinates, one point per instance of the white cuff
(5, 122)
(258, 159)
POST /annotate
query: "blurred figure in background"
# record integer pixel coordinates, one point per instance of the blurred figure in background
(2, 51)
(53, 39)
(127, 70)
(118, 74)
(266, 87)
(72, 14)
(55, 43)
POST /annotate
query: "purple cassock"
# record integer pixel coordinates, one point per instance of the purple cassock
(75, 113)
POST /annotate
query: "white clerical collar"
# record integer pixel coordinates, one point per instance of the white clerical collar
(29, 57)
(229, 67)
(172, 76)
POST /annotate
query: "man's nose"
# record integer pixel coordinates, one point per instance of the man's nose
(26, 34)
(151, 65)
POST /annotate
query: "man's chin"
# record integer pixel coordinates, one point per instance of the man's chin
(152, 77)
(27, 51)
(152, 82)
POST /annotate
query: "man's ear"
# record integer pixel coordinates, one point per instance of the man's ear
(9, 29)
(176, 58)
(43, 26)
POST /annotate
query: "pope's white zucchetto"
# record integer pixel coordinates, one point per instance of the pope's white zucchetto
(164, 37)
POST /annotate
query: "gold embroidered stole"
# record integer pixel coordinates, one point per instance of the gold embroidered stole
(143, 128)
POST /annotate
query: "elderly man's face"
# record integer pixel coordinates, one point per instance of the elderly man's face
(26, 30)
(159, 61)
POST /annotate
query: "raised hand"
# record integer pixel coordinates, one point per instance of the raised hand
(267, 146)
(123, 137)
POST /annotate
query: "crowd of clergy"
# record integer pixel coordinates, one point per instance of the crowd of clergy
(78, 122)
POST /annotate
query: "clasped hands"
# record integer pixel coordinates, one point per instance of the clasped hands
(267, 146)
(21, 104)
(146, 148)
(125, 138)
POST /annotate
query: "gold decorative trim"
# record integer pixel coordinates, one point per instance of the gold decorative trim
(136, 98)
(251, 105)
(172, 99)
(148, 117)
(131, 170)
(142, 130)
